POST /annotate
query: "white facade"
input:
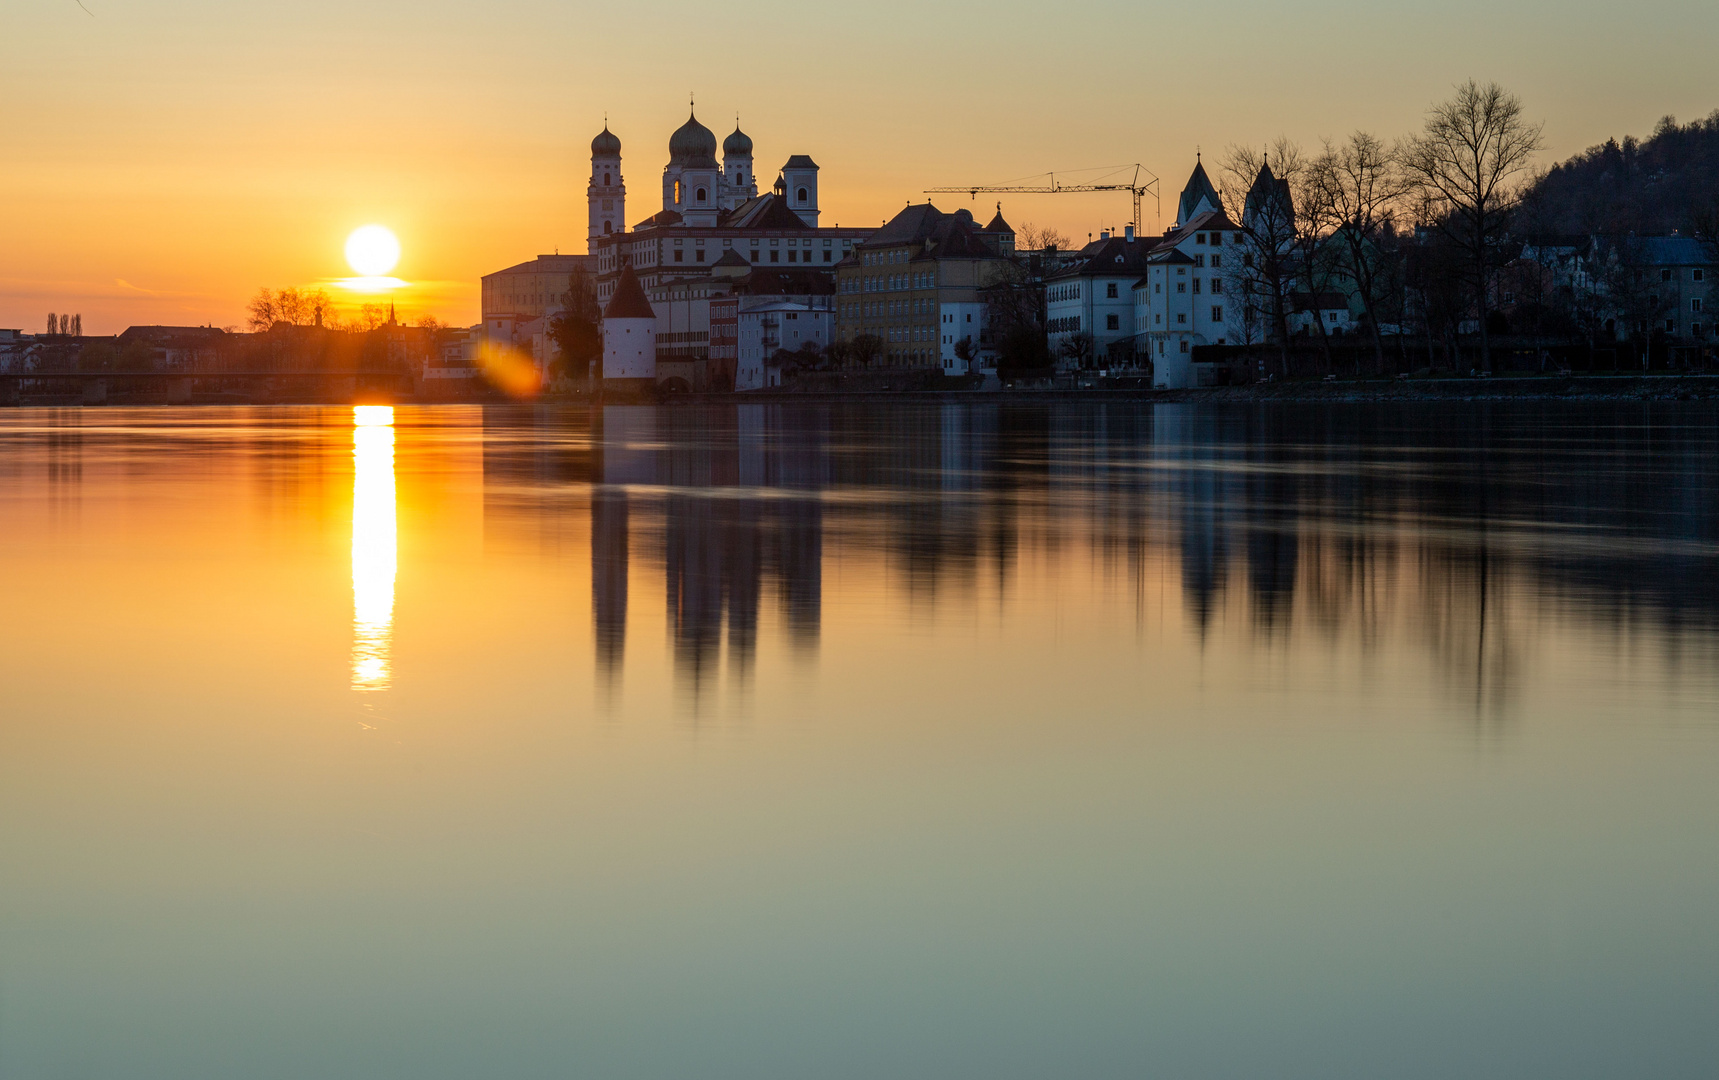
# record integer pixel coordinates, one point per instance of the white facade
(1096, 298)
(630, 349)
(764, 329)
(1186, 297)
(799, 186)
(958, 321)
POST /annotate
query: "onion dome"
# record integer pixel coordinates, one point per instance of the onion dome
(693, 145)
(738, 144)
(606, 144)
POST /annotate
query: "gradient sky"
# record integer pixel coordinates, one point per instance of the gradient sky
(164, 158)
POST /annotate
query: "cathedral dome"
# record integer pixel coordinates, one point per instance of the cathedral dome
(738, 144)
(693, 144)
(606, 144)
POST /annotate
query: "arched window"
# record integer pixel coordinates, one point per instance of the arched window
(677, 195)
(802, 194)
(607, 228)
(700, 194)
(605, 179)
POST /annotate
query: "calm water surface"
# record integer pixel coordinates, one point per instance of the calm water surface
(777, 741)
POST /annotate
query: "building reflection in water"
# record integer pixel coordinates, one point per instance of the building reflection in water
(739, 515)
(1458, 536)
(374, 546)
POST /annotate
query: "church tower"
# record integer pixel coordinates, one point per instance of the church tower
(799, 185)
(607, 195)
(690, 180)
(738, 182)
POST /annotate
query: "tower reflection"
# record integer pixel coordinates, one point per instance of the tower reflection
(374, 552)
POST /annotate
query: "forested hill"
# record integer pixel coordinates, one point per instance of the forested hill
(1670, 181)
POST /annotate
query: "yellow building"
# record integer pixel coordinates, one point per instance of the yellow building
(916, 285)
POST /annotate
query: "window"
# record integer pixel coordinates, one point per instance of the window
(1181, 317)
(1665, 275)
(801, 194)
(1199, 260)
(1184, 346)
(1196, 286)
(1247, 259)
(699, 255)
(1697, 275)
(1695, 304)
(1217, 241)
(1217, 313)
(793, 255)
(1157, 287)
(679, 256)
(775, 256)
(1670, 326)
(826, 256)
(605, 179)
(1181, 286)
(1217, 260)
(754, 254)
(1156, 319)
(1110, 291)
(607, 228)
(1113, 322)
(1199, 238)
(1217, 285)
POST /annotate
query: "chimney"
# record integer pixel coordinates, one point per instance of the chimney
(1105, 235)
(1128, 233)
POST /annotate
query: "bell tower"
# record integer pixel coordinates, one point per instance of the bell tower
(606, 195)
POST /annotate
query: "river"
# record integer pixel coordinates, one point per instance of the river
(950, 741)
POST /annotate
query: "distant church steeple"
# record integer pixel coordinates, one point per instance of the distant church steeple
(606, 196)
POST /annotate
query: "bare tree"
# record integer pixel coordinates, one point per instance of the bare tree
(1030, 237)
(1361, 186)
(1077, 348)
(865, 348)
(1258, 195)
(65, 324)
(1468, 163)
(78, 324)
(260, 312)
(53, 323)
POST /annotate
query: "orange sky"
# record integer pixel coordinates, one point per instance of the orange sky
(165, 158)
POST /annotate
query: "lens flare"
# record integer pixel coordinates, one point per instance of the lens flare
(372, 250)
(374, 545)
(509, 370)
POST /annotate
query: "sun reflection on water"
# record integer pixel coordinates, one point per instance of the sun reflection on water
(374, 558)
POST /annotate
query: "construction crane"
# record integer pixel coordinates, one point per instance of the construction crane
(1143, 183)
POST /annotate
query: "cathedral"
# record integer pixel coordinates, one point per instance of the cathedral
(698, 191)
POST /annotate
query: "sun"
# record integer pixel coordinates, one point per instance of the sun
(372, 250)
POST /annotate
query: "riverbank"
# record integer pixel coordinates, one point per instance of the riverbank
(1526, 388)
(1664, 387)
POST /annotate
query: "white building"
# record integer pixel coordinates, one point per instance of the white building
(1095, 297)
(766, 328)
(629, 333)
(965, 321)
(1185, 298)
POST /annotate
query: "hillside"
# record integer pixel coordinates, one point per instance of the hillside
(1670, 181)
